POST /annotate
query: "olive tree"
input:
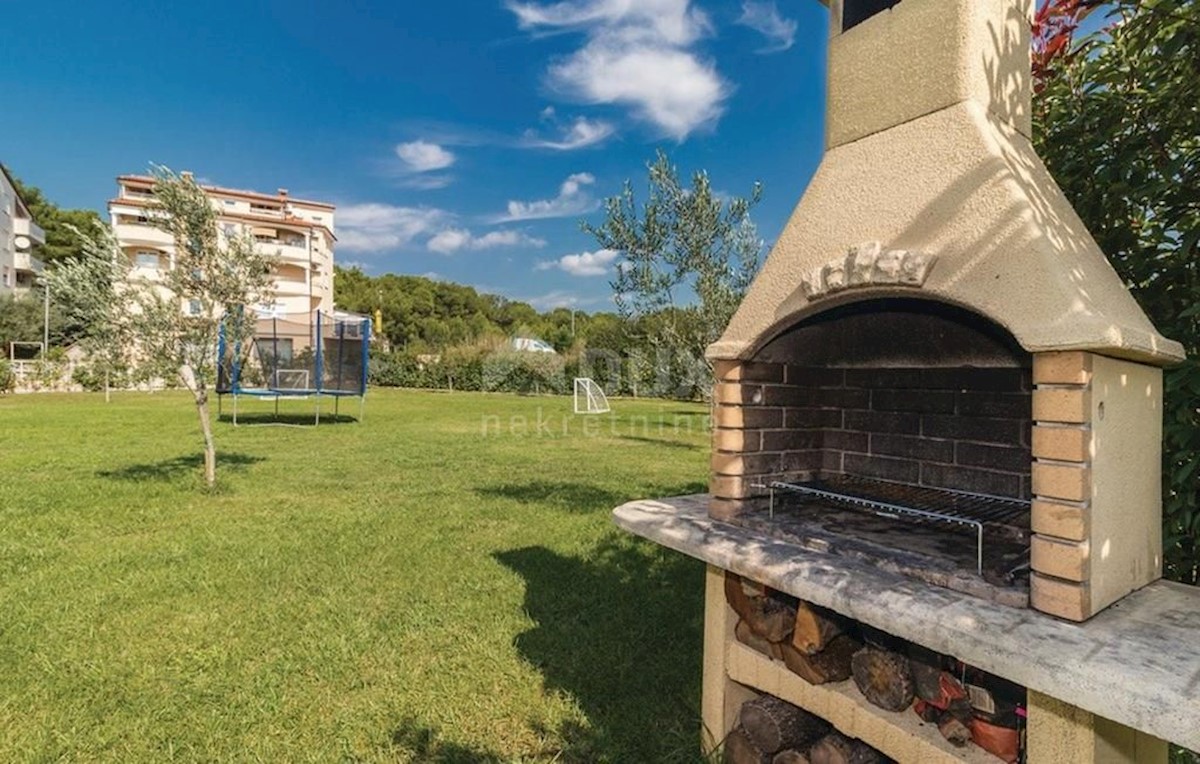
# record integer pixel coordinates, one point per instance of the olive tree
(214, 280)
(688, 257)
(171, 324)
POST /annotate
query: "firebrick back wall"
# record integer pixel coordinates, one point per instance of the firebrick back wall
(962, 428)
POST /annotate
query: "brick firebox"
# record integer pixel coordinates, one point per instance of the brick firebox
(962, 428)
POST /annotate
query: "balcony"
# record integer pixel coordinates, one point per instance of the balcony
(26, 227)
(142, 233)
(23, 262)
(296, 253)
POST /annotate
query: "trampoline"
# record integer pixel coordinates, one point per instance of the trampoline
(295, 357)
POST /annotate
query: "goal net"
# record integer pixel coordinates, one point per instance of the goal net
(589, 398)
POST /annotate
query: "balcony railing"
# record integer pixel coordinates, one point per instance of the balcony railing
(131, 232)
(25, 262)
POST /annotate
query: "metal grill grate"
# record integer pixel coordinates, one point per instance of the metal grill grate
(900, 501)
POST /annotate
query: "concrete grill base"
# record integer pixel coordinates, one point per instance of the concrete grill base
(1115, 687)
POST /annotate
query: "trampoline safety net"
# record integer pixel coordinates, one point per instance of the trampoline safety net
(307, 354)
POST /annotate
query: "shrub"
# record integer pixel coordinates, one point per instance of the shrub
(8, 378)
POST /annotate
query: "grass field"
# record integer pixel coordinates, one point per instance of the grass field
(441, 582)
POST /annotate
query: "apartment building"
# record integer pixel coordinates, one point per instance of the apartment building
(298, 233)
(19, 269)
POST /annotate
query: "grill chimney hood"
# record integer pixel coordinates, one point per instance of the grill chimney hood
(930, 188)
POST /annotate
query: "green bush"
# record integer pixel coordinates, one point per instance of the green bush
(8, 379)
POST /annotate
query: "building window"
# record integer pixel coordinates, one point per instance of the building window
(146, 259)
(194, 307)
(855, 12)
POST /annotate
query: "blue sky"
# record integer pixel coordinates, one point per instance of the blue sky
(463, 138)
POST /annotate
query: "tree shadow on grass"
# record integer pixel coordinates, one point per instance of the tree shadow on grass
(424, 744)
(169, 469)
(559, 494)
(666, 443)
(620, 631)
(577, 497)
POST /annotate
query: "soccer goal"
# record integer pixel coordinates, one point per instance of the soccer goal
(589, 398)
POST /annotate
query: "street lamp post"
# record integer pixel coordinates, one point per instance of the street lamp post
(45, 316)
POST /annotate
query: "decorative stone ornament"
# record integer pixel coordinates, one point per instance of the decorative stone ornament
(866, 265)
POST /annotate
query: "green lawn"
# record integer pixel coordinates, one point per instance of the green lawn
(404, 589)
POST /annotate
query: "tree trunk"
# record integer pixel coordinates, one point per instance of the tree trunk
(210, 448)
(773, 724)
(188, 376)
(107, 388)
(815, 628)
(830, 665)
(884, 678)
(739, 749)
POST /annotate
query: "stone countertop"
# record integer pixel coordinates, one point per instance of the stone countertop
(1136, 663)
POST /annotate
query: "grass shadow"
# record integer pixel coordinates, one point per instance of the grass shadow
(620, 631)
(424, 744)
(169, 469)
(291, 420)
(557, 494)
(666, 443)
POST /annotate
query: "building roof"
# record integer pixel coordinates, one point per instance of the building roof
(221, 191)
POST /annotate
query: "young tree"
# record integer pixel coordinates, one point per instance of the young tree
(90, 290)
(1116, 120)
(214, 280)
(689, 258)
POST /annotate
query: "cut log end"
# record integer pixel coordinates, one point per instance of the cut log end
(830, 665)
(884, 678)
(815, 628)
(790, 756)
(739, 749)
(836, 748)
(749, 638)
(773, 724)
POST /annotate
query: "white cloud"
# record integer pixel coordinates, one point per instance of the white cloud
(598, 263)
(452, 240)
(572, 199)
(671, 20)
(637, 54)
(372, 227)
(763, 17)
(422, 156)
(582, 132)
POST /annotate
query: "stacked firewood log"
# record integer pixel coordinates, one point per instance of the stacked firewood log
(773, 731)
(815, 643)
(820, 646)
